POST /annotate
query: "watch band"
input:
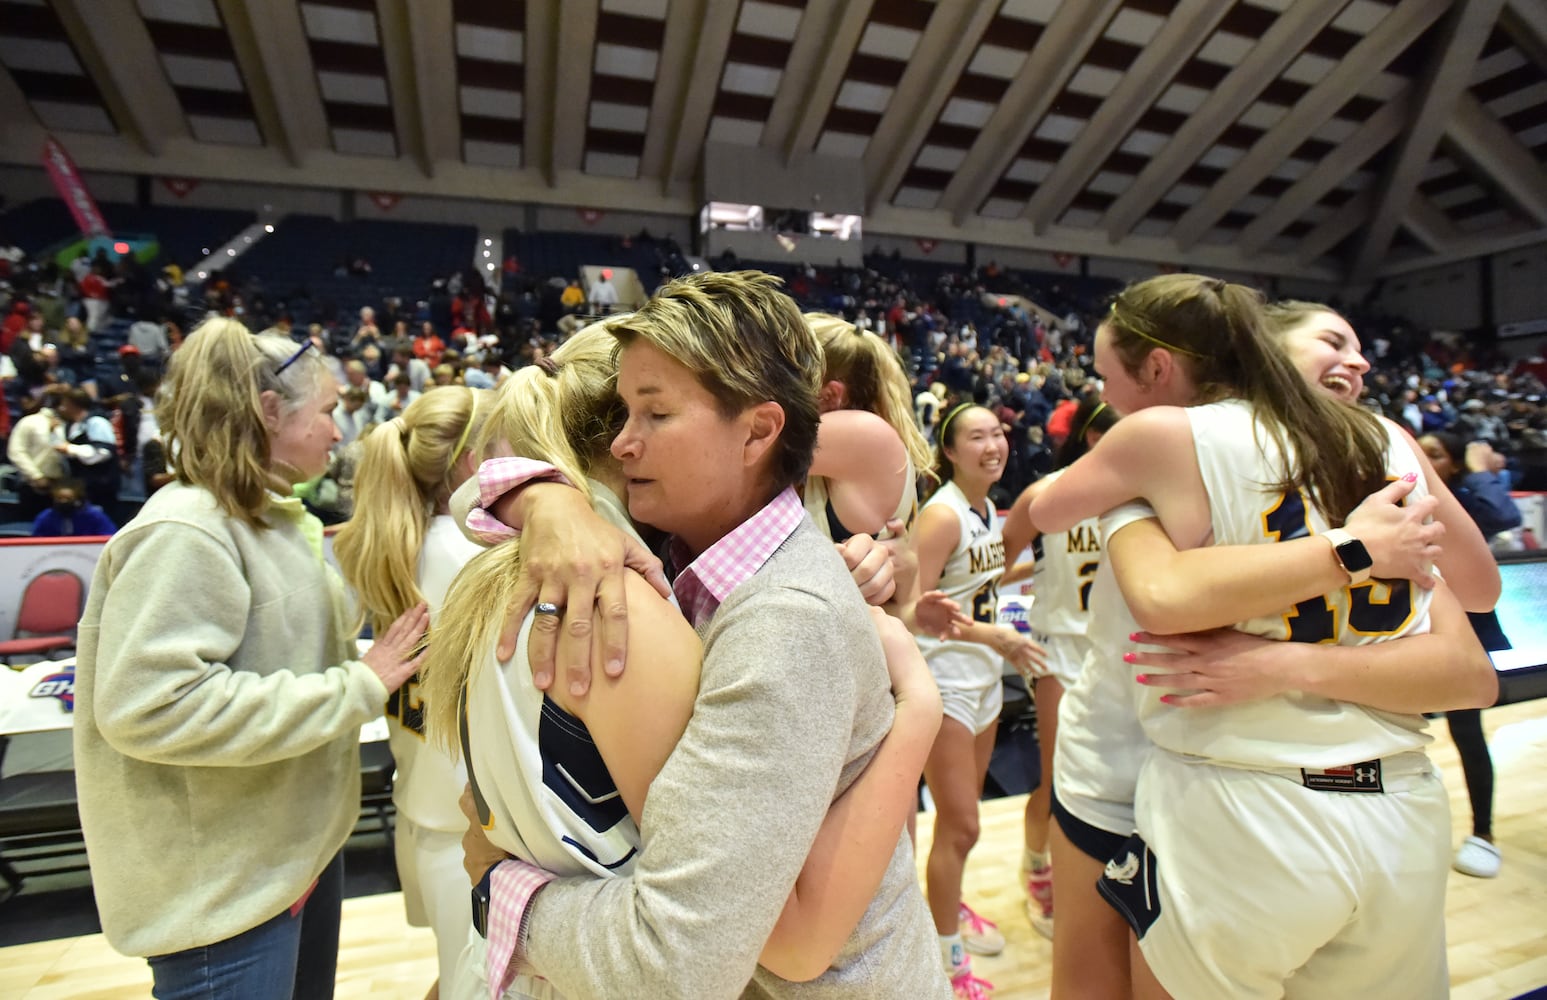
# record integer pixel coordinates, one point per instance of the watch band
(1343, 542)
(480, 899)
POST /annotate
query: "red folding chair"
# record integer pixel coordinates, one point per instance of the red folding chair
(46, 621)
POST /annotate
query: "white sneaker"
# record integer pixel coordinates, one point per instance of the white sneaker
(1039, 900)
(1478, 858)
(980, 935)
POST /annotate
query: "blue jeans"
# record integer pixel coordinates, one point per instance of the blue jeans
(285, 958)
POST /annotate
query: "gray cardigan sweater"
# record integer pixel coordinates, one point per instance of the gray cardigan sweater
(793, 700)
(217, 716)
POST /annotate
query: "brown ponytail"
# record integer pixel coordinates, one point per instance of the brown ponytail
(1219, 334)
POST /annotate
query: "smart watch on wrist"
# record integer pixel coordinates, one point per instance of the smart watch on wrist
(1350, 554)
(481, 903)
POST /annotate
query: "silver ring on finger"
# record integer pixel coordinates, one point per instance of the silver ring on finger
(547, 608)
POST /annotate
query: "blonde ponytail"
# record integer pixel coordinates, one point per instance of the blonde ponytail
(566, 412)
(874, 377)
(465, 635)
(408, 467)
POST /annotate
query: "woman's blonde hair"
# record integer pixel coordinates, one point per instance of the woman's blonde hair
(407, 468)
(565, 411)
(211, 410)
(1218, 333)
(871, 372)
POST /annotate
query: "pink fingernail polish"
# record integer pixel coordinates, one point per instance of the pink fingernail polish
(1134, 636)
(1411, 477)
(1165, 699)
(1129, 657)
(1143, 678)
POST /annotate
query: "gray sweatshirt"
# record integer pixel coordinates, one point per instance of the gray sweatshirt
(793, 700)
(217, 716)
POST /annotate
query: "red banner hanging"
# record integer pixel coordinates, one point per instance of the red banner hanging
(72, 188)
(927, 245)
(179, 186)
(385, 200)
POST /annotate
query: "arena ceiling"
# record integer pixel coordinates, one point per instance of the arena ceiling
(1341, 139)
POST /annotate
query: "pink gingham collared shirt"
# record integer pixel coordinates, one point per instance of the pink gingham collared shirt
(705, 584)
(700, 588)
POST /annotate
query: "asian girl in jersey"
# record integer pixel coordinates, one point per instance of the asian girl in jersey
(962, 553)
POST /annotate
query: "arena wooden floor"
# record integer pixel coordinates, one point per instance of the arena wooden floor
(1498, 928)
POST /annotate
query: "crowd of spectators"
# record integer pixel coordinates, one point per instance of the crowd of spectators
(1018, 342)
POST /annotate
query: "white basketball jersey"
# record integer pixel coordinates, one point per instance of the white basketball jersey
(1064, 577)
(541, 787)
(1101, 745)
(815, 496)
(428, 782)
(970, 576)
(1240, 463)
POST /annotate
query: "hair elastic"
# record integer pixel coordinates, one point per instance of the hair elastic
(293, 358)
(472, 416)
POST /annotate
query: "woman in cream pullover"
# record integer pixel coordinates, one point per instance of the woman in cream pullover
(219, 699)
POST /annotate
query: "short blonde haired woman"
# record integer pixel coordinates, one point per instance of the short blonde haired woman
(720, 376)
(219, 694)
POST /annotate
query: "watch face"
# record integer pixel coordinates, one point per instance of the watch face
(1354, 556)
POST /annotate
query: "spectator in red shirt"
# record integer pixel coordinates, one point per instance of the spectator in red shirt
(95, 293)
(1058, 425)
(14, 324)
(428, 346)
(469, 310)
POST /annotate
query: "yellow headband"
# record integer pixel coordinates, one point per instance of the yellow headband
(1170, 347)
(949, 417)
(1090, 420)
(1112, 314)
(472, 416)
